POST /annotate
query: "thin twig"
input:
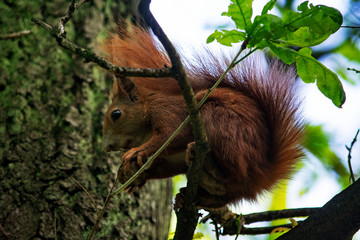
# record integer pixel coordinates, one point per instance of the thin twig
(81, 3)
(263, 230)
(90, 56)
(231, 227)
(353, 69)
(350, 26)
(151, 158)
(352, 177)
(14, 35)
(5, 233)
(103, 210)
(89, 195)
(63, 20)
(55, 228)
(217, 230)
(278, 214)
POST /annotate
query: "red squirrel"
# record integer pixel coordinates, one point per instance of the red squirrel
(252, 121)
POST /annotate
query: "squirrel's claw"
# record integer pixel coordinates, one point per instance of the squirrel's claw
(139, 153)
(129, 167)
(179, 199)
(126, 159)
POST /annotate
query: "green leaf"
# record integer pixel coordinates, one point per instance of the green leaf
(214, 36)
(227, 37)
(312, 25)
(286, 54)
(268, 7)
(303, 6)
(265, 27)
(304, 38)
(240, 12)
(308, 27)
(311, 70)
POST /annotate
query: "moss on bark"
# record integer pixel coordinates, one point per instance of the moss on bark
(51, 108)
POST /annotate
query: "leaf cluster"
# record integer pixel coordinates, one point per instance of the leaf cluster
(309, 26)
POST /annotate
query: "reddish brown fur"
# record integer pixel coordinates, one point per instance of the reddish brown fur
(251, 120)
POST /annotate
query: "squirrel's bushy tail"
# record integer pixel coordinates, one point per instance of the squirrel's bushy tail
(279, 97)
(272, 85)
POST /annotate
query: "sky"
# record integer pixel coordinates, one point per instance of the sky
(190, 22)
(193, 20)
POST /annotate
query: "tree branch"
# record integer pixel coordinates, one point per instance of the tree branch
(231, 226)
(88, 194)
(263, 230)
(90, 56)
(353, 69)
(337, 219)
(279, 214)
(354, 27)
(14, 35)
(63, 20)
(352, 177)
(100, 216)
(187, 216)
(5, 233)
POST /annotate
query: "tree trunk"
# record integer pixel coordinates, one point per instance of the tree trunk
(51, 110)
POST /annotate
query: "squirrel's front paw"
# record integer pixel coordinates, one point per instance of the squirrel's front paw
(139, 153)
(125, 174)
(179, 199)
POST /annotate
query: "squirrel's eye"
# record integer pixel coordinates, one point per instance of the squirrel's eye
(115, 115)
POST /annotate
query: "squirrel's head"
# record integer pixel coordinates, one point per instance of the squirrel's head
(125, 125)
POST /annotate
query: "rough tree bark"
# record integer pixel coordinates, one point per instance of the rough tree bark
(51, 108)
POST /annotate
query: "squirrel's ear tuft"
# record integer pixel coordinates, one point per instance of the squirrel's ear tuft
(125, 87)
